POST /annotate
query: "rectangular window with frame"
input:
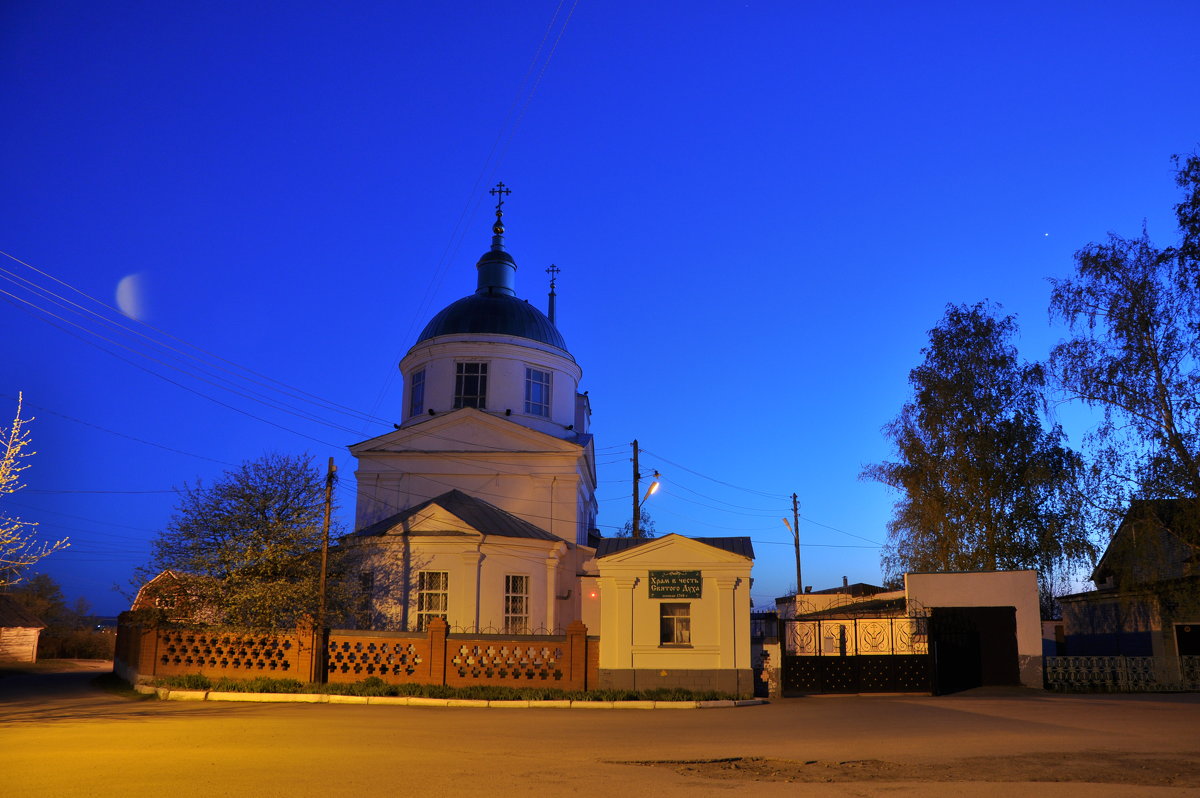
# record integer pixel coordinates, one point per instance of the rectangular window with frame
(537, 392)
(675, 624)
(433, 597)
(416, 393)
(516, 604)
(470, 385)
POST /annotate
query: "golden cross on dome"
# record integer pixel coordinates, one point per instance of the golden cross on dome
(499, 192)
(553, 272)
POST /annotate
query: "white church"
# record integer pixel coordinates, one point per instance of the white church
(480, 507)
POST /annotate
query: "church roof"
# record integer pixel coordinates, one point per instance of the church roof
(733, 545)
(493, 314)
(483, 516)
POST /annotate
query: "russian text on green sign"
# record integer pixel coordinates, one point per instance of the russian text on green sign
(675, 584)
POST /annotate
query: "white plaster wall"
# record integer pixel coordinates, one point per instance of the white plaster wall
(1018, 589)
(629, 618)
(549, 498)
(507, 357)
(476, 571)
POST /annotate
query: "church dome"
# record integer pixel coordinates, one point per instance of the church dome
(493, 314)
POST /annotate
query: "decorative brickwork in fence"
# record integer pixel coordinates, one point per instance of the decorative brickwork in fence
(395, 657)
(567, 661)
(147, 651)
(233, 654)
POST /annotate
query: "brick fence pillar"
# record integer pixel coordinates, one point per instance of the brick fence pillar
(437, 632)
(308, 655)
(577, 643)
(147, 659)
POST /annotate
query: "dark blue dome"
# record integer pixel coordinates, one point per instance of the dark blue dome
(493, 314)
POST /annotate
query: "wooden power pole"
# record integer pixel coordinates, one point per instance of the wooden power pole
(796, 540)
(330, 476)
(637, 488)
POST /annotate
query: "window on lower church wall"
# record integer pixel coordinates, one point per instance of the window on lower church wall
(416, 393)
(676, 625)
(537, 392)
(470, 385)
(516, 604)
(433, 597)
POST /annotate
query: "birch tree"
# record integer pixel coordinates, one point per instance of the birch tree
(19, 546)
(983, 482)
(1133, 311)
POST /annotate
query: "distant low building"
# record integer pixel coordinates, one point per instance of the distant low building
(177, 596)
(1147, 597)
(975, 628)
(19, 632)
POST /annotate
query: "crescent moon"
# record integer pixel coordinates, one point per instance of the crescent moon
(129, 296)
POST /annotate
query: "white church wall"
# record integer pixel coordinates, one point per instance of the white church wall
(476, 581)
(507, 359)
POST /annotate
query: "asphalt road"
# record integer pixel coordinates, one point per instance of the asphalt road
(61, 736)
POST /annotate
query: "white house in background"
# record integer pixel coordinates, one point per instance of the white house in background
(480, 506)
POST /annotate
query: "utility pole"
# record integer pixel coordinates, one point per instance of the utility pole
(330, 477)
(796, 540)
(637, 489)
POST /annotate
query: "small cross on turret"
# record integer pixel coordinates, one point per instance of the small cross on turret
(553, 272)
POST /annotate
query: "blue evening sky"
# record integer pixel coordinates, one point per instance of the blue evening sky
(759, 209)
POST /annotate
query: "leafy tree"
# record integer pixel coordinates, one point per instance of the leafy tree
(645, 526)
(69, 630)
(42, 596)
(1133, 310)
(19, 548)
(249, 544)
(983, 484)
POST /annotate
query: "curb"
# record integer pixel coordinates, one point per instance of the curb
(167, 694)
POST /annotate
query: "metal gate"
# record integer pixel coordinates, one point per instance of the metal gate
(974, 647)
(856, 655)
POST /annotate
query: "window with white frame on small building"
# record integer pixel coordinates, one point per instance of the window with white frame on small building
(416, 393)
(516, 604)
(676, 624)
(433, 597)
(470, 385)
(537, 392)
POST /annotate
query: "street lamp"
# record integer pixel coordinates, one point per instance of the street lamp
(795, 530)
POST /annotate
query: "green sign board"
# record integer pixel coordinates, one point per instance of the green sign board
(675, 584)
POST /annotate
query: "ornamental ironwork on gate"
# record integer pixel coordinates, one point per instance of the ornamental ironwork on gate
(845, 650)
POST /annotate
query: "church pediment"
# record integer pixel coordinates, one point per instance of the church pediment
(466, 430)
(674, 548)
(456, 513)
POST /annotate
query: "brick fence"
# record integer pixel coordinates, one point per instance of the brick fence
(569, 661)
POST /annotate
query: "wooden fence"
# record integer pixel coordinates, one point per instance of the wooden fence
(568, 661)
